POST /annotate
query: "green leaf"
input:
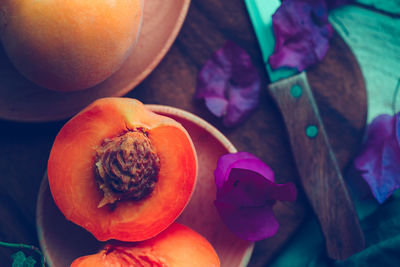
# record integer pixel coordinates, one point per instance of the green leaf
(29, 262)
(20, 260)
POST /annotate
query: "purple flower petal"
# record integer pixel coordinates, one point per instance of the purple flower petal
(379, 160)
(250, 223)
(246, 193)
(229, 84)
(302, 32)
(217, 105)
(243, 160)
(246, 188)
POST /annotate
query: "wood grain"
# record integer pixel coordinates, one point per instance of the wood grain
(337, 84)
(320, 176)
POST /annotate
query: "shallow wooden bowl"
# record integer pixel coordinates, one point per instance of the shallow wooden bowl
(22, 100)
(62, 241)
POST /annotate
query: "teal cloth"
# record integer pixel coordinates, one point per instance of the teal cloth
(381, 226)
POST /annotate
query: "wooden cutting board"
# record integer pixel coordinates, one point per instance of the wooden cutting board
(337, 84)
(338, 87)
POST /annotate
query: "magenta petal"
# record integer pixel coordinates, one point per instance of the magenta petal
(250, 223)
(229, 84)
(246, 188)
(302, 32)
(379, 161)
(242, 160)
(283, 192)
(246, 193)
(380, 129)
(256, 165)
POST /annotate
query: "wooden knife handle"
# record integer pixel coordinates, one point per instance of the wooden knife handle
(320, 175)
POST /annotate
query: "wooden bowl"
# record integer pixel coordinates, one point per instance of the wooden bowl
(22, 100)
(62, 241)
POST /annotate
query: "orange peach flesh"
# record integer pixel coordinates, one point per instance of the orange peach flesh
(178, 246)
(75, 191)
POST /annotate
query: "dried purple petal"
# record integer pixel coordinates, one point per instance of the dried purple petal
(229, 84)
(246, 193)
(302, 32)
(379, 160)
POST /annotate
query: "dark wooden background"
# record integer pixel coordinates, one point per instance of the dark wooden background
(337, 84)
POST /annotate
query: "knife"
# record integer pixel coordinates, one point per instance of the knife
(318, 170)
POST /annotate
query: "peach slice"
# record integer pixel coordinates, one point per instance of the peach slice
(121, 171)
(178, 246)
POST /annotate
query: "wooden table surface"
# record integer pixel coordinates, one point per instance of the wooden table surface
(24, 147)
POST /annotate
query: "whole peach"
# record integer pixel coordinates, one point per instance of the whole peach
(69, 45)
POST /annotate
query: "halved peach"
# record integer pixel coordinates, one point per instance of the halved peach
(121, 171)
(178, 246)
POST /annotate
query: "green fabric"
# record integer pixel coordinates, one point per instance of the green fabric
(381, 226)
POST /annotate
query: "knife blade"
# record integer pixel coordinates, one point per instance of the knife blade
(316, 164)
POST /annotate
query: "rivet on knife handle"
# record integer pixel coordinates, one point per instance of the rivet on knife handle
(316, 163)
